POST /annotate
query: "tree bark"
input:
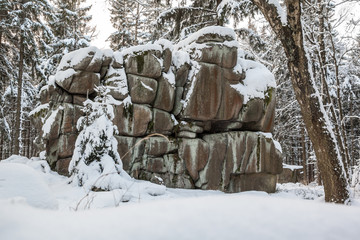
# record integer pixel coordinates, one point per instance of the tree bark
(18, 100)
(317, 123)
(303, 154)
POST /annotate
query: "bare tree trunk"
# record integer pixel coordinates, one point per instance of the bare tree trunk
(317, 123)
(304, 159)
(351, 155)
(18, 100)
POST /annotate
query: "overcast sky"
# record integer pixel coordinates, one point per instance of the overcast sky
(101, 19)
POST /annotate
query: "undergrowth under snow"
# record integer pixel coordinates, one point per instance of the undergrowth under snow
(36, 203)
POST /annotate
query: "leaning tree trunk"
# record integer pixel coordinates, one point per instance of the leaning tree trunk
(317, 123)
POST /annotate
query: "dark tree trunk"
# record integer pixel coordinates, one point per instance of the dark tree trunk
(322, 136)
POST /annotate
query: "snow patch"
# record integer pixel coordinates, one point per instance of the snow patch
(141, 48)
(218, 30)
(19, 181)
(50, 121)
(61, 76)
(180, 58)
(257, 81)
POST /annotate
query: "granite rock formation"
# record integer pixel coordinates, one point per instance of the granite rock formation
(215, 106)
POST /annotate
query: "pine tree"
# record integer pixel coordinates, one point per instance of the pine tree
(95, 160)
(121, 11)
(133, 21)
(30, 36)
(71, 29)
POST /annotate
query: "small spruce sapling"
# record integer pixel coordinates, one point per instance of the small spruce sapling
(96, 164)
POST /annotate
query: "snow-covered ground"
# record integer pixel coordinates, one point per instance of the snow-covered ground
(36, 203)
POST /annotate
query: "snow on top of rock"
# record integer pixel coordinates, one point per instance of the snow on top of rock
(61, 76)
(50, 121)
(40, 108)
(166, 44)
(170, 77)
(118, 57)
(224, 32)
(269, 135)
(257, 81)
(179, 58)
(141, 48)
(108, 52)
(193, 71)
(51, 81)
(75, 57)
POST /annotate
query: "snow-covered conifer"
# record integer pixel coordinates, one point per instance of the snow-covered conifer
(72, 30)
(96, 164)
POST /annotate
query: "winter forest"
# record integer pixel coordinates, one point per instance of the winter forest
(308, 50)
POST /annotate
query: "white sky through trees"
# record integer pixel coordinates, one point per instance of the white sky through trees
(101, 19)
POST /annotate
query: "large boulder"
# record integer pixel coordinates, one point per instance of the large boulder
(143, 60)
(197, 114)
(142, 89)
(132, 120)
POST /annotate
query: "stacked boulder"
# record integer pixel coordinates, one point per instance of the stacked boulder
(213, 106)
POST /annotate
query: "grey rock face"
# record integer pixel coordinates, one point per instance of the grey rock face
(188, 116)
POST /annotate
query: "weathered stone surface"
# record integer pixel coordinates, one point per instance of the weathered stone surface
(167, 57)
(71, 115)
(156, 165)
(195, 154)
(62, 166)
(162, 122)
(142, 89)
(117, 93)
(218, 54)
(132, 120)
(186, 134)
(181, 75)
(45, 93)
(66, 145)
(79, 100)
(80, 83)
(252, 111)
(190, 127)
(231, 76)
(53, 94)
(52, 150)
(95, 64)
(53, 120)
(174, 164)
(211, 145)
(159, 146)
(211, 176)
(178, 105)
(258, 182)
(84, 63)
(213, 37)
(165, 96)
(268, 119)
(126, 151)
(291, 174)
(205, 99)
(231, 103)
(131, 151)
(144, 64)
